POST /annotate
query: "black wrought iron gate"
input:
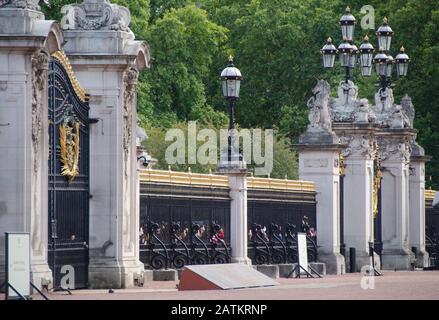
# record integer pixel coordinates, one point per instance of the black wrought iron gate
(377, 212)
(68, 175)
(432, 235)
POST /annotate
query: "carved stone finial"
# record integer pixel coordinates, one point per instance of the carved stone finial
(95, 15)
(21, 4)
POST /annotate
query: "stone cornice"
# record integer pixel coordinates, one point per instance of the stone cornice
(319, 147)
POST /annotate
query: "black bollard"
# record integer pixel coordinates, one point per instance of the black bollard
(415, 251)
(352, 260)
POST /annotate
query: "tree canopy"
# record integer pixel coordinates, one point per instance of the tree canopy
(276, 45)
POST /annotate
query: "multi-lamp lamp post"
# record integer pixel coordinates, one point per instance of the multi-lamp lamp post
(348, 53)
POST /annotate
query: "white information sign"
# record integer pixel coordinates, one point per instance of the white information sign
(303, 251)
(18, 263)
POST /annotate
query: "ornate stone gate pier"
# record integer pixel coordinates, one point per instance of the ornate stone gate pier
(107, 60)
(26, 42)
(382, 161)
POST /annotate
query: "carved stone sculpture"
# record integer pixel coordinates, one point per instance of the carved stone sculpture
(21, 4)
(95, 15)
(384, 101)
(364, 146)
(395, 149)
(408, 109)
(319, 118)
(319, 129)
(363, 112)
(343, 107)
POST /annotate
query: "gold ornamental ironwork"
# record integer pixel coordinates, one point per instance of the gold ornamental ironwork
(69, 145)
(376, 187)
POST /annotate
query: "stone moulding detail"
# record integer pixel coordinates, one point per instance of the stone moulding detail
(40, 67)
(21, 4)
(95, 15)
(129, 100)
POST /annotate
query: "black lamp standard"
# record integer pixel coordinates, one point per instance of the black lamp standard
(231, 82)
(384, 61)
(348, 52)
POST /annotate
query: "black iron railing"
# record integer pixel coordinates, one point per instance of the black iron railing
(185, 247)
(190, 247)
(432, 246)
(274, 246)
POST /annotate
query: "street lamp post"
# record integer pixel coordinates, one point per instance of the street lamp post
(348, 52)
(231, 82)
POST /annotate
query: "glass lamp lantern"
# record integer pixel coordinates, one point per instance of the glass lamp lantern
(366, 56)
(353, 60)
(231, 81)
(389, 65)
(402, 62)
(329, 51)
(347, 24)
(380, 61)
(345, 51)
(384, 34)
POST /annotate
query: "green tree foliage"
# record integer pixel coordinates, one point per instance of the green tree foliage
(276, 45)
(183, 44)
(284, 158)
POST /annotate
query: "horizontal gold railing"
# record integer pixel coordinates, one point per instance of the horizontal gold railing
(213, 180)
(429, 194)
(280, 184)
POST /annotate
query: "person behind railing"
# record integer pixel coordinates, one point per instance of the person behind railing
(218, 235)
(305, 225)
(264, 233)
(279, 234)
(184, 233)
(144, 236)
(201, 231)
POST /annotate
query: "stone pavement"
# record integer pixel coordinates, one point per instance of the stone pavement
(393, 285)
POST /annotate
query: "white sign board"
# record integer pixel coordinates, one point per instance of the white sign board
(303, 251)
(18, 263)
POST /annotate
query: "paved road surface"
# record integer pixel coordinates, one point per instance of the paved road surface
(393, 285)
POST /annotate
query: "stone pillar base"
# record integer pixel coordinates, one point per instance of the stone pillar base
(241, 260)
(335, 262)
(423, 259)
(110, 273)
(398, 259)
(41, 276)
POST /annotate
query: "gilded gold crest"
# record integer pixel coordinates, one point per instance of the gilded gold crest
(69, 145)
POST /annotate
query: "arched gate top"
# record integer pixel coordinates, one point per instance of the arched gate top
(61, 57)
